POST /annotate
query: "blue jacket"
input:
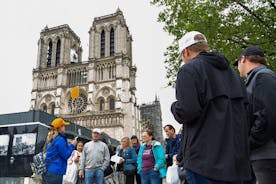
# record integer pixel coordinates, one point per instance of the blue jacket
(172, 147)
(129, 156)
(159, 157)
(57, 154)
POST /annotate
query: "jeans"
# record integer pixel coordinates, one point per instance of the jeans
(265, 171)
(94, 176)
(194, 178)
(50, 178)
(150, 177)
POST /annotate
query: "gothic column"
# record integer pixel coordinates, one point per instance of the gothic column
(39, 53)
(107, 42)
(54, 50)
(92, 43)
(118, 38)
(62, 50)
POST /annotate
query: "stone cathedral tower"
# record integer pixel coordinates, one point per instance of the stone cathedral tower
(107, 79)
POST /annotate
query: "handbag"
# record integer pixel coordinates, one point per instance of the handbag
(38, 165)
(71, 175)
(129, 169)
(172, 175)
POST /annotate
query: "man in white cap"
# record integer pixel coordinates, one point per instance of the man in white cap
(211, 105)
(94, 160)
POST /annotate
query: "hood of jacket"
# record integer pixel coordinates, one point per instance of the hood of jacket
(153, 143)
(217, 60)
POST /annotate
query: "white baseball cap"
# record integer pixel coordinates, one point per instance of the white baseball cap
(189, 39)
(96, 130)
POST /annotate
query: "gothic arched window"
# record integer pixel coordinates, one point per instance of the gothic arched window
(49, 54)
(112, 42)
(58, 52)
(111, 104)
(53, 109)
(102, 105)
(102, 43)
(44, 107)
(110, 72)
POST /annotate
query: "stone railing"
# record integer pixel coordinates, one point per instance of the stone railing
(47, 80)
(77, 75)
(98, 119)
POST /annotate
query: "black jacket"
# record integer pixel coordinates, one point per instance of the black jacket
(211, 105)
(261, 89)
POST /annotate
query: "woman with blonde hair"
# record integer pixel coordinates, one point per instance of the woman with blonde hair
(57, 153)
(128, 161)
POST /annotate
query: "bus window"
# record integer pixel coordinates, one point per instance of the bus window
(4, 144)
(24, 144)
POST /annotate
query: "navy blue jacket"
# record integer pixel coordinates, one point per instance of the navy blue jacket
(172, 147)
(57, 154)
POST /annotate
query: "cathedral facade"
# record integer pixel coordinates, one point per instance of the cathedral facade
(106, 80)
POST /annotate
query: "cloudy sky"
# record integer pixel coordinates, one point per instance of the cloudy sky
(22, 21)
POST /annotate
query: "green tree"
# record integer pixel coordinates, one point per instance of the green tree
(229, 27)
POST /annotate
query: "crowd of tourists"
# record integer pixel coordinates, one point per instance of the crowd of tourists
(228, 133)
(135, 163)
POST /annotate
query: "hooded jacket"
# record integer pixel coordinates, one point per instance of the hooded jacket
(159, 157)
(211, 105)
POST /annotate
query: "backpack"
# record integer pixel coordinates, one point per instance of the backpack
(38, 165)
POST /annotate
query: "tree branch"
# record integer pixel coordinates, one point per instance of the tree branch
(238, 42)
(252, 13)
(272, 4)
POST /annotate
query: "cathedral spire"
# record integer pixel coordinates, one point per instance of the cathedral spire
(118, 10)
(156, 98)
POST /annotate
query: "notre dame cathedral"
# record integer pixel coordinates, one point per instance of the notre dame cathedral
(107, 79)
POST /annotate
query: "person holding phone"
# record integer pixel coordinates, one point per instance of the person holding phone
(57, 152)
